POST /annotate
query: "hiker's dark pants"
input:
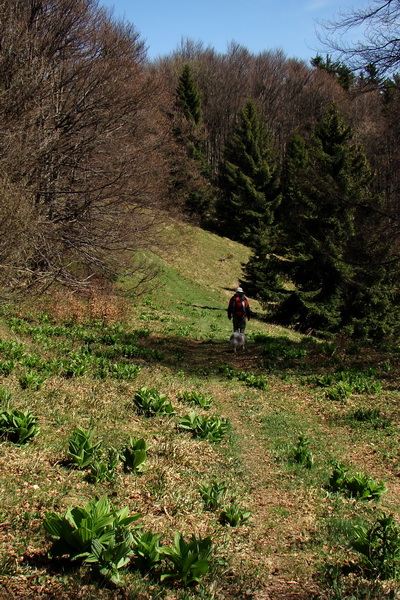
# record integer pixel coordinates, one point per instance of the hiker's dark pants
(239, 324)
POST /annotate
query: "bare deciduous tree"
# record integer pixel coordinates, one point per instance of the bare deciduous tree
(77, 137)
(379, 47)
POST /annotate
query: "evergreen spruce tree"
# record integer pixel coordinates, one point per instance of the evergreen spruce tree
(188, 96)
(191, 177)
(330, 271)
(248, 181)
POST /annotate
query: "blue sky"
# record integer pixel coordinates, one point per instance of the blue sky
(289, 25)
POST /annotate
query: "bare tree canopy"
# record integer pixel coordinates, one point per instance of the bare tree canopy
(78, 164)
(378, 48)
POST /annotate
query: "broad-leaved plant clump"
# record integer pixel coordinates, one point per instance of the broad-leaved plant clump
(357, 485)
(234, 515)
(196, 398)
(30, 380)
(134, 454)
(150, 402)
(81, 449)
(250, 379)
(371, 417)
(379, 547)
(146, 551)
(188, 560)
(5, 396)
(301, 453)
(104, 468)
(6, 367)
(213, 494)
(18, 426)
(212, 428)
(344, 383)
(96, 533)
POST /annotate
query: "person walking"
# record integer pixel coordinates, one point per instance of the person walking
(239, 310)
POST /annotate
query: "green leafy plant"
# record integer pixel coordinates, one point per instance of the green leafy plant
(370, 416)
(104, 469)
(134, 454)
(81, 449)
(257, 381)
(189, 560)
(301, 453)
(5, 396)
(150, 402)
(347, 382)
(213, 494)
(75, 365)
(6, 367)
(279, 349)
(146, 551)
(12, 349)
(124, 371)
(197, 398)
(18, 426)
(341, 390)
(96, 533)
(234, 515)
(356, 485)
(379, 546)
(30, 380)
(108, 558)
(210, 428)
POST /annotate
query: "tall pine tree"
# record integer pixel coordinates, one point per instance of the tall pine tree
(248, 180)
(330, 271)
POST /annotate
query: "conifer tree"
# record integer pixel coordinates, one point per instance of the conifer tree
(330, 271)
(191, 177)
(188, 96)
(248, 181)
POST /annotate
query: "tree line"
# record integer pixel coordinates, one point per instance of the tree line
(99, 145)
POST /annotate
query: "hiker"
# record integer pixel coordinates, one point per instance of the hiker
(239, 310)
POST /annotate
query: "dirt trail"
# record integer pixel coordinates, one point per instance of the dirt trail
(281, 520)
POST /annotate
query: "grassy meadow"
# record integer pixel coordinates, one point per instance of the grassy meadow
(272, 474)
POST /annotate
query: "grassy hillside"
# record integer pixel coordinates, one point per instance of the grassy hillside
(293, 445)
